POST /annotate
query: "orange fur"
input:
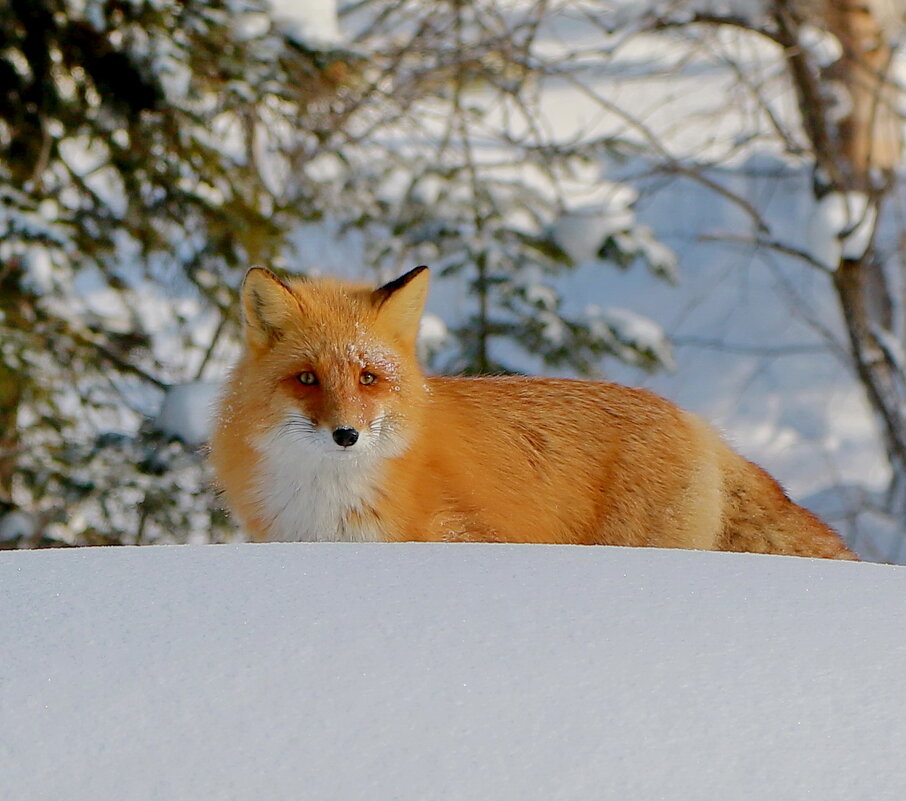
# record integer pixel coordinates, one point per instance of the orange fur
(493, 459)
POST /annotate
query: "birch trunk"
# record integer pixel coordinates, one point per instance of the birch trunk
(859, 153)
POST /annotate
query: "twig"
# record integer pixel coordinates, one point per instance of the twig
(753, 350)
(771, 244)
(118, 361)
(214, 340)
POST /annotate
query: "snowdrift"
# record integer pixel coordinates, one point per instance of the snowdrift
(420, 672)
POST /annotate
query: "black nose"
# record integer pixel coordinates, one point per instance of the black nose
(345, 436)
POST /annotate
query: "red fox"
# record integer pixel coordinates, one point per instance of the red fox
(329, 430)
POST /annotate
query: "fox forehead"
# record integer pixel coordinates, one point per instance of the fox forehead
(331, 311)
(330, 300)
(353, 356)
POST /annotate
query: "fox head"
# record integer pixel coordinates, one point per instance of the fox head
(333, 364)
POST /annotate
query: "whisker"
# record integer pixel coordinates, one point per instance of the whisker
(297, 427)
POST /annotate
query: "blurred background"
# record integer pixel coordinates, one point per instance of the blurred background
(697, 196)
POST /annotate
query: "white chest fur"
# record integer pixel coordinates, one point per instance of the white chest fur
(310, 492)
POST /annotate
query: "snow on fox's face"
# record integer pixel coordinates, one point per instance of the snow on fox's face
(342, 400)
(333, 361)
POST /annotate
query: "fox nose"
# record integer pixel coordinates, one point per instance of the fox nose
(345, 436)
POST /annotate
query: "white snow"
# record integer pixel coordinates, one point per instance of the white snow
(186, 411)
(40, 270)
(553, 329)
(856, 237)
(415, 672)
(841, 224)
(823, 47)
(890, 14)
(623, 329)
(432, 331)
(738, 8)
(581, 232)
(541, 295)
(313, 22)
(16, 525)
(635, 328)
(751, 10)
(111, 307)
(433, 336)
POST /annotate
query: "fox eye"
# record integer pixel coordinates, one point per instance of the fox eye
(308, 378)
(367, 378)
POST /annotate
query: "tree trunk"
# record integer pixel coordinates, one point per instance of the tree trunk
(870, 140)
(878, 364)
(11, 384)
(859, 153)
(870, 148)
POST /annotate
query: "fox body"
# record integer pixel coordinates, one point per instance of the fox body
(329, 430)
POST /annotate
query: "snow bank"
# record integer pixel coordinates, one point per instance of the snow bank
(416, 672)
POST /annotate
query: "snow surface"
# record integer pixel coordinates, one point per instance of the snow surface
(416, 672)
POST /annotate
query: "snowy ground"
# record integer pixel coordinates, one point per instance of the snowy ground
(416, 672)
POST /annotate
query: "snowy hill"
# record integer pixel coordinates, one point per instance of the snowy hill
(419, 672)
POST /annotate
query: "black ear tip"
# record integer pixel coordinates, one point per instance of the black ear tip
(257, 269)
(405, 278)
(388, 289)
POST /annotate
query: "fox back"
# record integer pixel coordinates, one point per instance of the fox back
(329, 430)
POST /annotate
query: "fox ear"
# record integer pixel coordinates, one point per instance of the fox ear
(267, 306)
(401, 302)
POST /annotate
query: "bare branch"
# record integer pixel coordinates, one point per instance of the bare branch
(770, 244)
(749, 350)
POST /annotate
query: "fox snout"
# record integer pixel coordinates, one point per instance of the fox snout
(345, 436)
